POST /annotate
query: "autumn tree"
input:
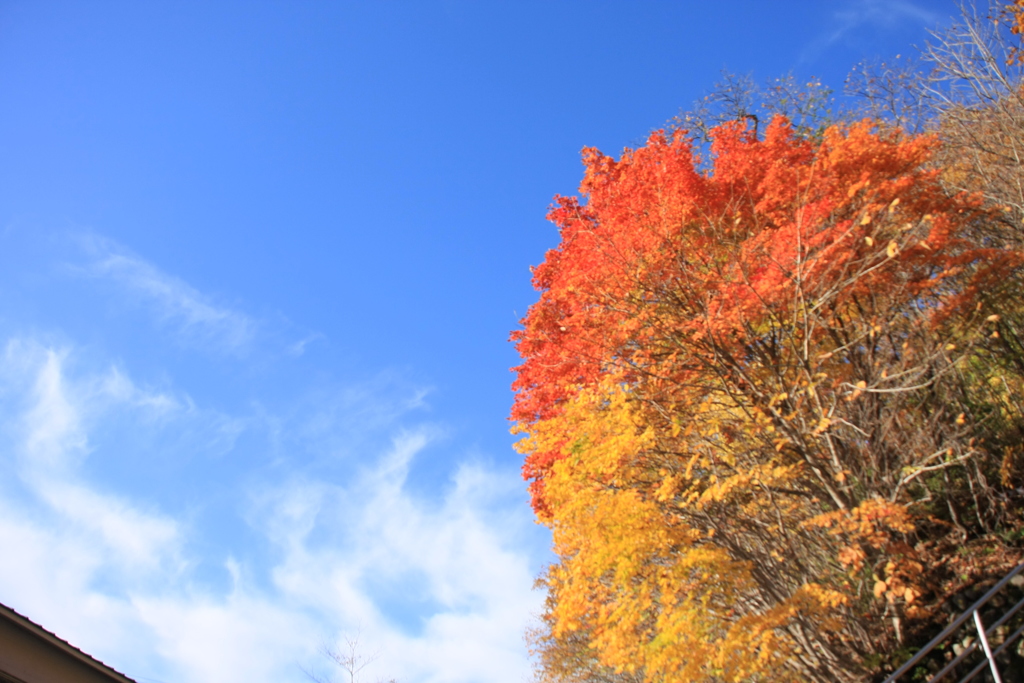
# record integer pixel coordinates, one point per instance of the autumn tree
(756, 389)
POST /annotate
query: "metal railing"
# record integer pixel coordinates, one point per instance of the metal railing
(984, 639)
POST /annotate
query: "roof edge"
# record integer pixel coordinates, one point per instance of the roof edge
(53, 639)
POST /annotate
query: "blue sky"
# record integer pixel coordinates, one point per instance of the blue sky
(258, 266)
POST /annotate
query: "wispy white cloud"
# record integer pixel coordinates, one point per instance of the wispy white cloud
(53, 433)
(456, 569)
(298, 348)
(134, 539)
(440, 585)
(332, 422)
(194, 316)
(884, 14)
(243, 636)
(52, 425)
(54, 442)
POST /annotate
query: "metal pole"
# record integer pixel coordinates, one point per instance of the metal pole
(948, 631)
(988, 650)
